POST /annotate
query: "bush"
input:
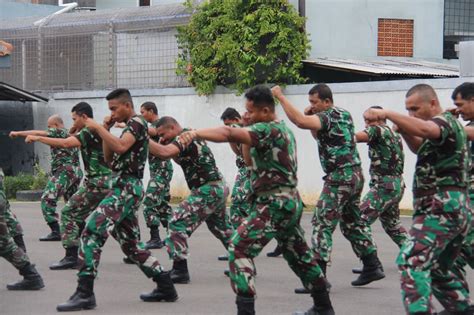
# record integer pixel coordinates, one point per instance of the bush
(15, 183)
(242, 43)
(41, 178)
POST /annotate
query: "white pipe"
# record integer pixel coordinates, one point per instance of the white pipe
(66, 8)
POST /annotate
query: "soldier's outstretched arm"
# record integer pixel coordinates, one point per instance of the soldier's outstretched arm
(113, 143)
(70, 142)
(218, 134)
(162, 151)
(301, 120)
(26, 133)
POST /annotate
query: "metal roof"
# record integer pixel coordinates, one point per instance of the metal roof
(11, 93)
(392, 67)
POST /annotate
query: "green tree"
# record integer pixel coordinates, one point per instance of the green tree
(240, 43)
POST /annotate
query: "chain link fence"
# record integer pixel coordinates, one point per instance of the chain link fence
(131, 48)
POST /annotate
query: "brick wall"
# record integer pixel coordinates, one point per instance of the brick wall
(395, 38)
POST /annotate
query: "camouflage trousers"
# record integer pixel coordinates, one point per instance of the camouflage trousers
(275, 214)
(157, 197)
(86, 199)
(341, 202)
(425, 260)
(14, 226)
(466, 256)
(8, 249)
(241, 198)
(382, 200)
(63, 183)
(204, 204)
(117, 214)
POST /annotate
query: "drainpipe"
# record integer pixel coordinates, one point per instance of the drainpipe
(66, 8)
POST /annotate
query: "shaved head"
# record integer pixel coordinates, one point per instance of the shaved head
(426, 92)
(55, 121)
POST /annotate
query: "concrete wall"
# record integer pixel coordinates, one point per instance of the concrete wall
(348, 28)
(194, 111)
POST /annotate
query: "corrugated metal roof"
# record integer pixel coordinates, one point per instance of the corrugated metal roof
(412, 68)
(10, 93)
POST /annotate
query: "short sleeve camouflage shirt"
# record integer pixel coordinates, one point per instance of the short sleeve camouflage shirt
(133, 161)
(61, 157)
(385, 151)
(92, 153)
(444, 161)
(273, 153)
(158, 165)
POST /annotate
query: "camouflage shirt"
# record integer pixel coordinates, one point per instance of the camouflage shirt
(198, 163)
(61, 157)
(2, 176)
(273, 153)
(239, 159)
(92, 153)
(444, 161)
(158, 165)
(385, 152)
(133, 161)
(337, 145)
(471, 169)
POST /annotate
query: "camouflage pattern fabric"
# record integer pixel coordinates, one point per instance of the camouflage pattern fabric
(117, 212)
(440, 222)
(425, 260)
(386, 182)
(8, 249)
(276, 211)
(12, 222)
(205, 204)
(382, 201)
(340, 203)
(241, 197)
(92, 154)
(197, 162)
(157, 197)
(60, 157)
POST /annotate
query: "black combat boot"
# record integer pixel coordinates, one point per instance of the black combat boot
(245, 305)
(128, 261)
(82, 299)
(20, 242)
(180, 273)
(359, 270)
(70, 261)
(164, 291)
(224, 257)
(370, 272)
(276, 252)
(155, 240)
(55, 235)
(31, 279)
(323, 265)
(469, 311)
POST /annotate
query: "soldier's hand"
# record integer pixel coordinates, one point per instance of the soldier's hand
(13, 134)
(108, 122)
(187, 137)
(308, 111)
(395, 128)
(92, 124)
(120, 125)
(246, 119)
(454, 111)
(276, 91)
(31, 139)
(374, 114)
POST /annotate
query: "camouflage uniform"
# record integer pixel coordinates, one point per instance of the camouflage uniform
(93, 190)
(66, 175)
(205, 203)
(157, 196)
(276, 211)
(117, 212)
(241, 192)
(8, 249)
(343, 183)
(14, 226)
(386, 182)
(439, 223)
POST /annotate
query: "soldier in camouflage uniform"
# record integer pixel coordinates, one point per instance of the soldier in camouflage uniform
(386, 180)
(277, 206)
(94, 188)
(65, 177)
(116, 213)
(333, 129)
(206, 203)
(157, 197)
(14, 254)
(14, 227)
(440, 218)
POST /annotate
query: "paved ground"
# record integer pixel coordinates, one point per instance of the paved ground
(119, 285)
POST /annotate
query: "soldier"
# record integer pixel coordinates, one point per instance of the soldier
(117, 211)
(206, 203)
(157, 197)
(440, 203)
(386, 181)
(14, 254)
(66, 174)
(14, 227)
(277, 204)
(93, 190)
(333, 129)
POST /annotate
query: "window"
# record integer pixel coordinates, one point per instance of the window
(144, 3)
(458, 25)
(395, 38)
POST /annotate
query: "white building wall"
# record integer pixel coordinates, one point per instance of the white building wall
(348, 28)
(194, 111)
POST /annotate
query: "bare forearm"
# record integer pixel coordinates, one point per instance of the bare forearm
(60, 143)
(108, 154)
(163, 151)
(413, 126)
(110, 141)
(413, 142)
(291, 111)
(26, 133)
(218, 134)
